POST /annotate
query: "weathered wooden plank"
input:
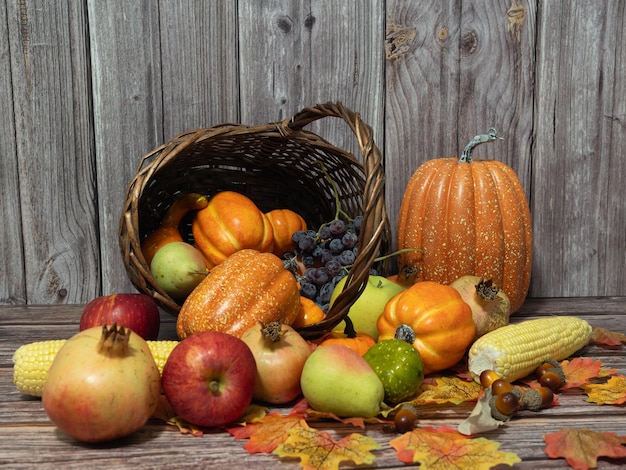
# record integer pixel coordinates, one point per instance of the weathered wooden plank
(55, 159)
(12, 283)
(578, 164)
(298, 54)
(200, 69)
(128, 114)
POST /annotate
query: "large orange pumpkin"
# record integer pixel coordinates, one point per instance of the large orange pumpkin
(467, 217)
(246, 288)
(229, 223)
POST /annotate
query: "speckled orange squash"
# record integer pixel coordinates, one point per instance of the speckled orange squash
(246, 288)
(230, 222)
(467, 217)
(284, 223)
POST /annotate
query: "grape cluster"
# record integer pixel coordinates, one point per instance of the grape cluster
(326, 255)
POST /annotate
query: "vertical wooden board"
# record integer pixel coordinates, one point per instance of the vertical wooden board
(128, 114)
(497, 61)
(298, 54)
(422, 89)
(578, 168)
(12, 283)
(54, 148)
(200, 70)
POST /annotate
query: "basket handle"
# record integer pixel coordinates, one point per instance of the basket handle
(375, 223)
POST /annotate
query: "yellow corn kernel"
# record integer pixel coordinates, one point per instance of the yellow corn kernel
(32, 361)
(516, 350)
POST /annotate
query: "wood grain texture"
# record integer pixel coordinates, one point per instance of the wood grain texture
(304, 53)
(12, 282)
(158, 445)
(578, 156)
(54, 149)
(91, 87)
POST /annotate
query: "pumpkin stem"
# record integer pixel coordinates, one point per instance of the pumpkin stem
(466, 156)
(349, 330)
(405, 333)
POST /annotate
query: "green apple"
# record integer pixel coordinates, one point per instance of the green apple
(178, 268)
(336, 379)
(368, 307)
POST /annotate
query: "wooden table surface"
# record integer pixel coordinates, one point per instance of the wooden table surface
(28, 439)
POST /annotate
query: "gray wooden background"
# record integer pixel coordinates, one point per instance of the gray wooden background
(87, 87)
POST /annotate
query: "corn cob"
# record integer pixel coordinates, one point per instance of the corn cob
(516, 350)
(32, 362)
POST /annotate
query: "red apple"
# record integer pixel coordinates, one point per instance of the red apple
(209, 377)
(135, 311)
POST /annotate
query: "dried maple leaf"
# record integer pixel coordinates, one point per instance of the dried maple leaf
(613, 392)
(447, 390)
(444, 448)
(320, 451)
(605, 337)
(265, 435)
(579, 370)
(582, 447)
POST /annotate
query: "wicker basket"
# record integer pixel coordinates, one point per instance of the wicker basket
(277, 166)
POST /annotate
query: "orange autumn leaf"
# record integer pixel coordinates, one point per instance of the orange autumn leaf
(606, 337)
(579, 370)
(447, 390)
(444, 448)
(582, 447)
(318, 450)
(613, 392)
(265, 435)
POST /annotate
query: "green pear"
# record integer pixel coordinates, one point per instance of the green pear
(178, 268)
(336, 379)
(368, 307)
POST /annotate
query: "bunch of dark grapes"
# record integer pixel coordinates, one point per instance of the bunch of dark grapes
(326, 255)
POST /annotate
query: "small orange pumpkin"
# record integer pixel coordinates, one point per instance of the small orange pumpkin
(467, 217)
(441, 321)
(168, 231)
(229, 223)
(246, 288)
(284, 223)
(355, 340)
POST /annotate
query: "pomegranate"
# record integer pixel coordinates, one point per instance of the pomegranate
(102, 385)
(280, 353)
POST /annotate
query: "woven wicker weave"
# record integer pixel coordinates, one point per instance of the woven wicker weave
(277, 166)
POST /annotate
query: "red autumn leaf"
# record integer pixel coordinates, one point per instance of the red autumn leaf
(265, 435)
(443, 448)
(605, 337)
(579, 370)
(582, 447)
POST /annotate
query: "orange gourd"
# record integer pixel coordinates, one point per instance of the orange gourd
(284, 223)
(246, 288)
(229, 223)
(309, 313)
(441, 321)
(168, 231)
(356, 340)
(467, 217)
